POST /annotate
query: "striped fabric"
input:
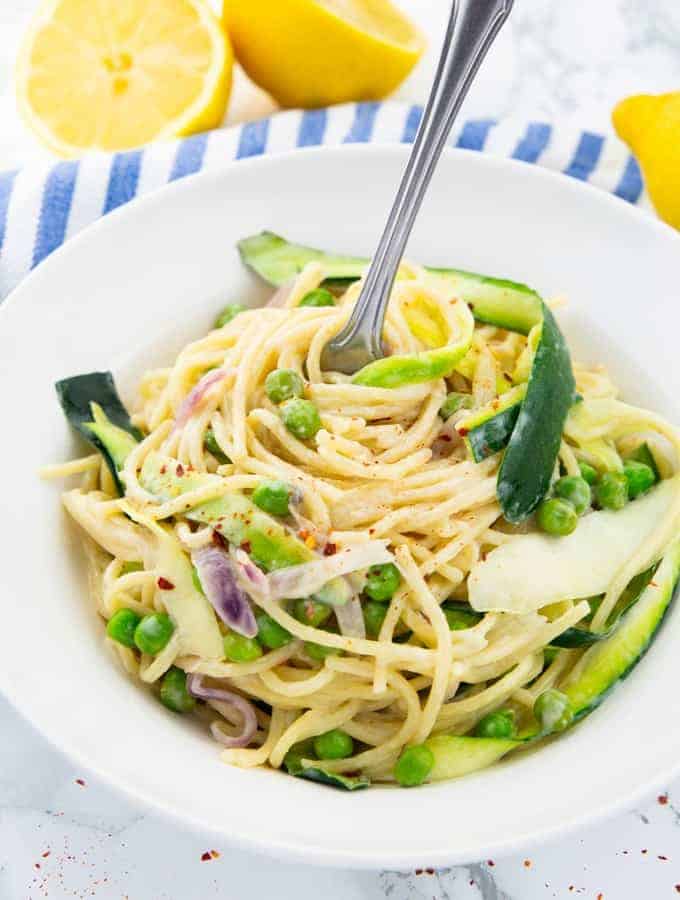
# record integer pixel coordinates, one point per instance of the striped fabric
(41, 208)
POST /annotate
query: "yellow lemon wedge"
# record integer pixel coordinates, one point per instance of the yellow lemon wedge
(650, 125)
(116, 74)
(313, 53)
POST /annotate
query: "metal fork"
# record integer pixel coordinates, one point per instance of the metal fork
(468, 39)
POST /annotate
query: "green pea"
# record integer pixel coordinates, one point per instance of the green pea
(309, 612)
(588, 473)
(174, 693)
(574, 490)
(319, 297)
(459, 619)
(121, 627)
(283, 384)
(228, 313)
(241, 649)
(557, 517)
(414, 765)
(455, 401)
(553, 711)
(153, 633)
(333, 744)
(640, 478)
(374, 616)
(211, 445)
(301, 418)
(382, 582)
(271, 634)
(318, 652)
(499, 724)
(611, 490)
(273, 497)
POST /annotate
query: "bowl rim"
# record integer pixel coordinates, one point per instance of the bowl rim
(284, 849)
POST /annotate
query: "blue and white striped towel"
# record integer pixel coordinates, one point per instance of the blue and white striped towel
(40, 208)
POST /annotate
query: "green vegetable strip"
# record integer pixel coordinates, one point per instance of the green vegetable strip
(529, 461)
(607, 663)
(417, 368)
(488, 430)
(455, 756)
(92, 406)
(604, 666)
(494, 301)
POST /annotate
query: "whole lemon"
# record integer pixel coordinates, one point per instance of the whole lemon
(650, 125)
(313, 53)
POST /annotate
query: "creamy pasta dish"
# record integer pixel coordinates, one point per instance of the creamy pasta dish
(400, 576)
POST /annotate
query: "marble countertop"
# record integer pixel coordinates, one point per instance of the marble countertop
(63, 834)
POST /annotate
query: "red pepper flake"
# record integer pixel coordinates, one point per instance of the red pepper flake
(303, 535)
(36, 865)
(419, 871)
(429, 871)
(80, 782)
(245, 546)
(490, 862)
(206, 856)
(179, 470)
(446, 438)
(662, 799)
(463, 431)
(165, 585)
(527, 863)
(663, 858)
(46, 854)
(571, 887)
(215, 854)
(330, 550)
(677, 888)
(644, 852)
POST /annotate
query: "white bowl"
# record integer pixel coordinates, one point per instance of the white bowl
(154, 274)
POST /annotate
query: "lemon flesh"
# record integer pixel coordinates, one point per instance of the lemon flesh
(116, 74)
(313, 53)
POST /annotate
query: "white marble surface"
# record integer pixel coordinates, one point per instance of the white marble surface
(63, 834)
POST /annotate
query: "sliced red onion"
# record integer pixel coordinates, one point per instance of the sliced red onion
(196, 688)
(308, 578)
(196, 396)
(219, 581)
(279, 297)
(351, 619)
(252, 576)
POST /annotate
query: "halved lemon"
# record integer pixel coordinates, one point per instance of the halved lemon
(116, 74)
(313, 53)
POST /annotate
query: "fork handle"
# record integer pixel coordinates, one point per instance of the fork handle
(469, 36)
